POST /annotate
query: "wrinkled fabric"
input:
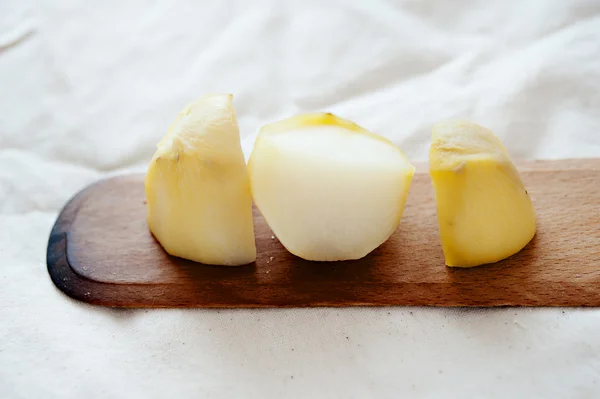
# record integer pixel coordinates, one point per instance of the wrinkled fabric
(88, 88)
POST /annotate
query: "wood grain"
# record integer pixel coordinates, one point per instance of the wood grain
(100, 251)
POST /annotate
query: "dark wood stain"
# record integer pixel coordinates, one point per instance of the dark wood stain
(100, 251)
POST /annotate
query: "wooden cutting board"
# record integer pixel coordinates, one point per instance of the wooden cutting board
(100, 251)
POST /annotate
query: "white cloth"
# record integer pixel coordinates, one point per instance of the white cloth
(88, 88)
